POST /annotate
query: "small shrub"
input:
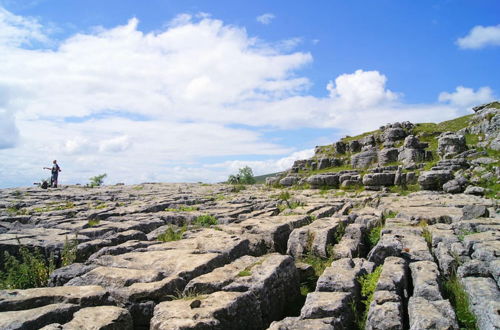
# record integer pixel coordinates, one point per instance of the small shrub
(374, 235)
(237, 188)
(183, 208)
(172, 234)
(93, 222)
(97, 180)
(368, 284)
(68, 254)
(205, 220)
(31, 271)
(244, 176)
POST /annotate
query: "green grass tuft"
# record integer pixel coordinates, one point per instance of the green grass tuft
(93, 222)
(172, 234)
(368, 284)
(205, 220)
(453, 290)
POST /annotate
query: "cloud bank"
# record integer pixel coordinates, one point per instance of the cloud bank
(172, 105)
(480, 36)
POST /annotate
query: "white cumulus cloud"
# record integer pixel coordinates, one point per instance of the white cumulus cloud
(480, 36)
(265, 18)
(466, 97)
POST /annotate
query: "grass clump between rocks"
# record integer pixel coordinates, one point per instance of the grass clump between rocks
(454, 291)
(368, 284)
(31, 271)
(205, 220)
(172, 234)
(183, 208)
(69, 251)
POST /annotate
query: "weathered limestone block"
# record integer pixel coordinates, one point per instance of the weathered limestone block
(425, 276)
(98, 318)
(394, 276)
(484, 301)
(315, 237)
(289, 180)
(425, 314)
(388, 245)
(272, 279)
(364, 159)
(386, 312)
(16, 300)
(38, 317)
(434, 180)
(352, 243)
(379, 179)
(219, 310)
(388, 155)
(342, 275)
(268, 234)
(295, 323)
(451, 143)
(320, 305)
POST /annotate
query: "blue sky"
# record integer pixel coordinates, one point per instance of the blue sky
(191, 90)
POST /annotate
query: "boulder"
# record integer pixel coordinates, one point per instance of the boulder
(364, 159)
(324, 180)
(450, 143)
(474, 190)
(388, 155)
(394, 134)
(295, 323)
(474, 211)
(379, 179)
(434, 180)
(289, 180)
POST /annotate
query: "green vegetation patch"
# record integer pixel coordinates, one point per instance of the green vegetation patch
(31, 271)
(368, 284)
(205, 220)
(454, 291)
(172, 233)
(183, 208)
(93, 222)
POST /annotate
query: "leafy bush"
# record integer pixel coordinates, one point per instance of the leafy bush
(68, 254)
(368, 284)
(244, 176)
(97, 180)
(31, 271)
(205, 220)
(172, 234)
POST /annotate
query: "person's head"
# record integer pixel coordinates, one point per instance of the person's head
(55, 161)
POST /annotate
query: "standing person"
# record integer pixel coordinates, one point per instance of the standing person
(55, 173)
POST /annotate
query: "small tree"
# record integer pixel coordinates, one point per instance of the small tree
(97, 180)
(244, 176)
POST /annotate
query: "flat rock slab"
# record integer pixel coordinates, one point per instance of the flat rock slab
(425, 314)
(295, 323)
(342, 275)
(37, 318)
(219, 310)
(15, 300)
(273, 280)
(320, 305)
(97, 318)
